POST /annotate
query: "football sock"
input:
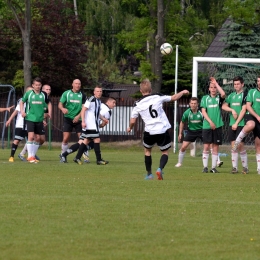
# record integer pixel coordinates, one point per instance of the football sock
(234, 158)
(24, 151)
(30, 149)
(181, 156)
(72, 149)
(243, 156)
(80, 150)
(13, 149)
(214, 160)
(148, 164)
(163, 161)
(241, 136)
(97, 151)
(205, 158)
(64, 147)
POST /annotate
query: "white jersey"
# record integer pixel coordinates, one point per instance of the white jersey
(92, 113)
(151, 111)
(105, 111)
(19, 123)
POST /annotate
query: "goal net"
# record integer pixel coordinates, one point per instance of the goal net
(224, 70)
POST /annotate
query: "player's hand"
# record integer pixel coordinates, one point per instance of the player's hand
(76, 119)
(128, 129)
(9, 108)
(44, 123)
(234, 114)
(7, 123)
(23, 114)
(212, 126)
(83, 124)
(179, 137)
(234, 127)
(65, 111)
(185, 92)
(258, 119)
(213, 80)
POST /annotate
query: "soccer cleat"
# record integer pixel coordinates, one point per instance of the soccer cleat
(78, 161)
(37, 158)
(22, 158)
(245, 170)
(219, 164)
(102, 162)
(63, 159)
(11, 159)
(159, 174)
(213, 170)
(178, 165)
(234, 170)
(205, 169)
(235, 146)
(31, 160)
(86, 156)
(149, 177)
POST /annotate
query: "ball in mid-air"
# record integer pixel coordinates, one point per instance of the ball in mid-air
(166, 49)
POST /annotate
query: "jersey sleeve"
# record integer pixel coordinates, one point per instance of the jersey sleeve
(63, 97)
(25, 96)
(244, 97)
(84, 98)
(87, 104)
(227, 100)
(184, 117)
(134, 113)
(250, 96)
(203, 102)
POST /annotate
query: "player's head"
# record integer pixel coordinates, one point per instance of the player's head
(238, 83)
(194, 103)
(37, 84)
(212, 89)
(76, 85)
(145, 87)
(97, 92)
(111, 102)
(28, 88)
(47, 89)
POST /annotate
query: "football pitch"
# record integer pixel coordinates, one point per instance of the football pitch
(61, 211)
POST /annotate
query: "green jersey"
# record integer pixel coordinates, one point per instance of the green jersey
(35, 105)
(73, 101)
(195, 120)
(253, 97)
(236, 101)
(212, 105)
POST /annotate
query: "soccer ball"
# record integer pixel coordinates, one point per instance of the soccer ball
(166, 49)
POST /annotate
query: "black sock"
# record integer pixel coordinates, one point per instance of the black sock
(163, 160)
(81, 150)
(97, 151)
(72, 149)
(148, 164)
(13, 149)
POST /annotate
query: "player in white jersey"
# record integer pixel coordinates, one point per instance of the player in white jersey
(150, 108)
(20, 128)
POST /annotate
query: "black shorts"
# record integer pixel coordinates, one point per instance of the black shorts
(35, 127)
(162, 140)
(20, 134)
(68, 125)
(256, 130)
(192, 135)
(212, 136)
(89, 134)
(233, 134)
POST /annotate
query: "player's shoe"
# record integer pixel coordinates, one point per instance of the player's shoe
(78, 161)
(159, 174)
(31, 160)
(63, 159)
(37, 158)
(86, 157)
(245, 170)
(234, 170)
(205, 170)
(219, 164)
(213, 170)
(11, 159)
(149, 177)
(235, 146)
(178, 165)
(22, 157)
(102, 162)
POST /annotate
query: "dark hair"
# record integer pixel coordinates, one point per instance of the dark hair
(238, 78)
(37, 79)
(193, 99)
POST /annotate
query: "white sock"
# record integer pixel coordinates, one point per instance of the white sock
(30, 148)
(258, 161)
(234, 158)
(214, 160)
(205, 158)
(218, 160)
(243, 156)
(24, 151)
(64, 147)
(241, 136)
(181, 156)
(35, 147)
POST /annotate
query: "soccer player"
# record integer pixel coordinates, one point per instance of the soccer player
(252, 121)
(90, 115)
(194, 118)
(34, 115)
(235, 103)
(212, 124)
(150, 108)
(20, 131)
(71, 103)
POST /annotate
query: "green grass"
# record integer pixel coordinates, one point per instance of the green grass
(68, 211)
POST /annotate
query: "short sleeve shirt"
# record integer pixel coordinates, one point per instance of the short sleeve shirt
(19, 123)
(253, 97)
(195, 120)
(212, 105)
(73, 101)
(236, 101)
(35, 105)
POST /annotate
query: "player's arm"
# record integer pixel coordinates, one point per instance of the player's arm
(179, 95)
(49, 114)
(62, 108)
(131, 124)
(226, 107)
(8, 122)
(220, 90)
(22, 108)
(77, 117)
(204, 113)
(82, 113)
(252, 111)
(3, 109)
(180, 131)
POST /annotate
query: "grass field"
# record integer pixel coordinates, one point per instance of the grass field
(59, 211)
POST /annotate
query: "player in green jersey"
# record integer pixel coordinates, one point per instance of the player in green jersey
(252, 121)
(36, 101)
(235, 103)
(70, 104)
(212, 123)
(194, 118)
